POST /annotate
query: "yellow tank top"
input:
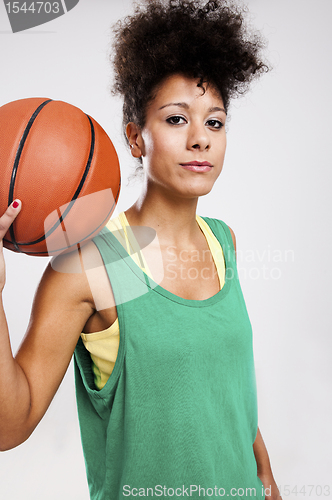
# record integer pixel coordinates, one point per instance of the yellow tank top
(103, 346)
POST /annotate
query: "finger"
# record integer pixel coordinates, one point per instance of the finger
(9, 216)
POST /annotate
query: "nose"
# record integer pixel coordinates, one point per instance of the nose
(198, 137)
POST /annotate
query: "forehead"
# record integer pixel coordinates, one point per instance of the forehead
(179, 88)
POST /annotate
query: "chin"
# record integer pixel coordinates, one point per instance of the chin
(198, 191)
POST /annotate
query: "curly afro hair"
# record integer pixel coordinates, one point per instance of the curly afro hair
(209, 42)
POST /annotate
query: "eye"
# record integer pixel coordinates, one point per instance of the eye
(217, 124)
(175, 120)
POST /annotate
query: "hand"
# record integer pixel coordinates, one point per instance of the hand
(5, 222)
(270, 487)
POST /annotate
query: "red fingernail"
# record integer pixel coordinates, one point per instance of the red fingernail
(15, 204)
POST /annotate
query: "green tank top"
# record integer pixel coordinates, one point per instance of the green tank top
(178, 415)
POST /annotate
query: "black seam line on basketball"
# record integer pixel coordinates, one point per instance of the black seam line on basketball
(85, 237)
(77, 192)
(16, 163)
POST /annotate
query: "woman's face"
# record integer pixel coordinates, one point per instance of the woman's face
(183, 141)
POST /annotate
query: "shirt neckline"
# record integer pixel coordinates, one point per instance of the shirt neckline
(153, 286)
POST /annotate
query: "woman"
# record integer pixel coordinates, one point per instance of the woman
(168, 408)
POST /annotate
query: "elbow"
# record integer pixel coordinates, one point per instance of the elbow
(6, 446)
(10, 441)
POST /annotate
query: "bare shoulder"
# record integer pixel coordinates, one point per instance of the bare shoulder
(66, 275)
(86, 273)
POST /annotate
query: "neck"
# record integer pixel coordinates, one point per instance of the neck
(173, 218)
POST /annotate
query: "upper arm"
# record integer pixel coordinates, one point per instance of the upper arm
(61, 307)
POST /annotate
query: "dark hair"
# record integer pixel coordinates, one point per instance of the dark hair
(209, 42)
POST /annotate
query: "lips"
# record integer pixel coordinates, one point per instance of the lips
(197, 164)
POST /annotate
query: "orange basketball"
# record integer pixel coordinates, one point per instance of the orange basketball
(63, 167)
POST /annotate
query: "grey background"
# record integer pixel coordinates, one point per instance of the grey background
(273, 192)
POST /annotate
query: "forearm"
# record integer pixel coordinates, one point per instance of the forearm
(264, 470)
(262, 457)
(14, 392)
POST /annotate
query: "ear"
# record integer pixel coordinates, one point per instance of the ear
(135, 140)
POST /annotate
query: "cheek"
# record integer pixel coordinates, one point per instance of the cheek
(222, 148)
(162, 147)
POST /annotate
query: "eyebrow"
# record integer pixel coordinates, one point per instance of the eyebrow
(186, 106)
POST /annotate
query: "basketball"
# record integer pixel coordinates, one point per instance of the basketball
(63, 167)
